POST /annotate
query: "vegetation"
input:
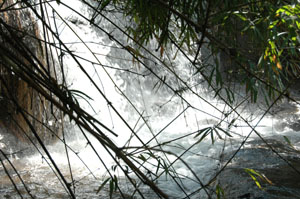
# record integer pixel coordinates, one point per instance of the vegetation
(260, 38)
(169, 49)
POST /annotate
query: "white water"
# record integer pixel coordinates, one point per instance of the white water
(204, 158)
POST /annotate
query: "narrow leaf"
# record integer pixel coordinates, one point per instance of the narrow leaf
(224, 131)
(220, 192)
(141, 157)
(116, 182)
(80, 94)
(102, 185)
(158, 165)
(200, 132)
(288, 141)
(111, 188)
(104, 4)
(255, 180)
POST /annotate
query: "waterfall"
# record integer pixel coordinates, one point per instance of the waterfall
(148, 106)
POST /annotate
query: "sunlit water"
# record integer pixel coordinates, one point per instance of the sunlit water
(205, 158)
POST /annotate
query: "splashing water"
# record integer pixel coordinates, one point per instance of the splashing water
(188, 156)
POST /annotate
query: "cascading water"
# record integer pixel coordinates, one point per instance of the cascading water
(175, 125)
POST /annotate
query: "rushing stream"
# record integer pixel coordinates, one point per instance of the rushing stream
(160, 109)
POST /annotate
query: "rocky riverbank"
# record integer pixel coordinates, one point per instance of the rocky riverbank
(284, 181)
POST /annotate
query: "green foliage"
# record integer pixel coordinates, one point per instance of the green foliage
(220, 192)
(254, 174)
(212, 131)
(271, 56)
(102, 185)
(288, 141)
(261, 38)
(113, 183)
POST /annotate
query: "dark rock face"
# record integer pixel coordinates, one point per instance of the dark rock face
(284, 180)
(244, 45)
(18, 33)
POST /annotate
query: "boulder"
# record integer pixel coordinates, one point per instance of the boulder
(280, 180)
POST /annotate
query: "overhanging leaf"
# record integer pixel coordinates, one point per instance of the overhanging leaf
(223, 131)
(102, 185)
(104, 4)
(288, 141)
(220, 192)
(111, 188)
(201, 131)
(254, 173)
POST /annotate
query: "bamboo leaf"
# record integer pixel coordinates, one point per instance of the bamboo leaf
(205, 134)
(223, 131)
(218, 134)
(266, 179)
(252, 172)
(158, 166)
(102, 185)
(288, 141)
(255, 180)
(237, 13)
(210, 77)
(80, 94)
(134, 52)
(141, 157)
(219, 80)
(104, 4)
(201, 131)
(217, 92)
(220, 192)
(230, 96)
(116, 182)
(166, 169)
(162, 51)
(114, 167)
(212, 137)
(111, 188)
(231, 123)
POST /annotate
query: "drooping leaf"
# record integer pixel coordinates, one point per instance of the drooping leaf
(114, 167)
(111, 188)
(212, 137)
(80, 94)
(255, 180)
(288, 141)
(220, 192)
(218, 134)
(141, 157)
(102, 185)
(104, 4)
(134, 52)
(201, 131)
(116, 182)
(240, 15)
(157, 167)
(224, 131)
(254, 173)
(205, 133)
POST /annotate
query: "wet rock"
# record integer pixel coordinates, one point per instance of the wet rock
(287, 115)
(20, 39)
(280, 180)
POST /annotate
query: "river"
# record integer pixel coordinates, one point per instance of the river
(174, 125)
